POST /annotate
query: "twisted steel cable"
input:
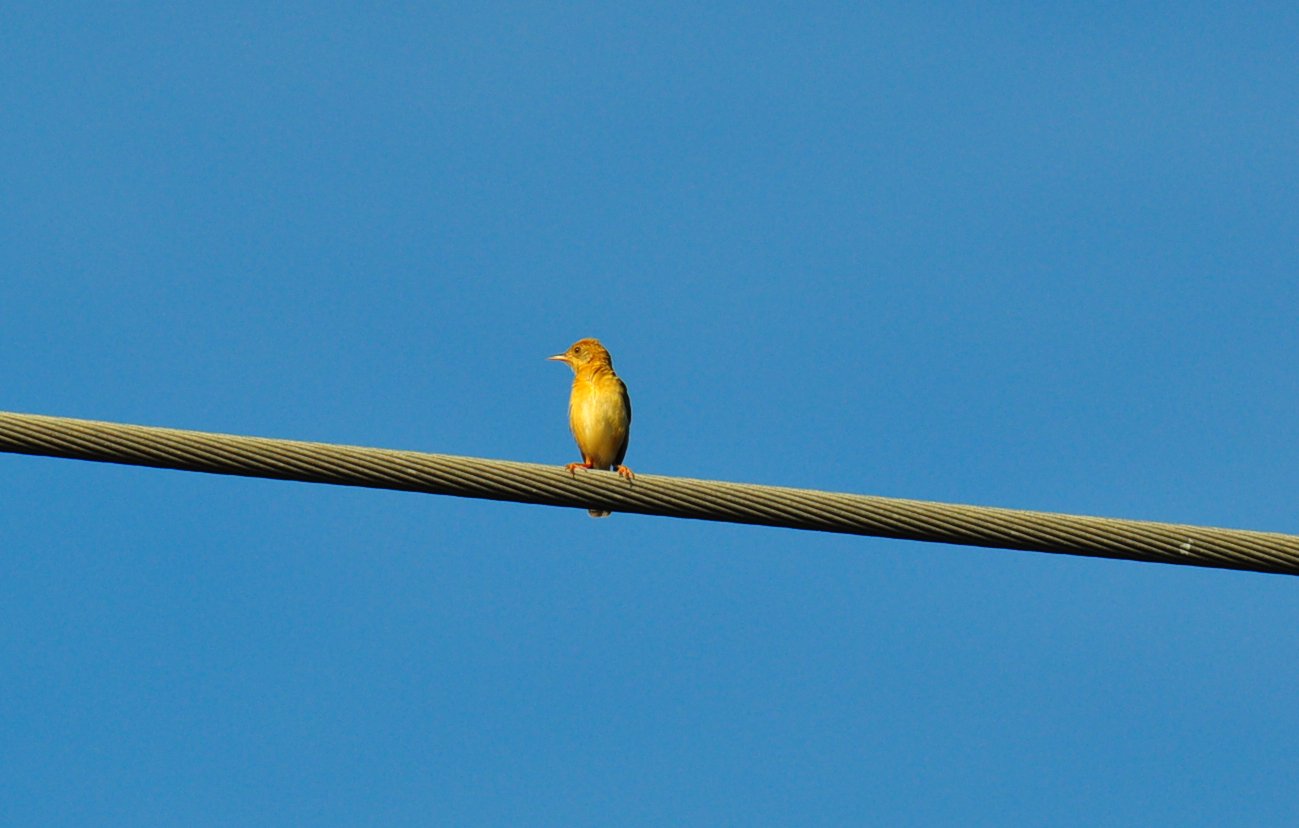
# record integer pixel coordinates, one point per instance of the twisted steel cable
(648, 494)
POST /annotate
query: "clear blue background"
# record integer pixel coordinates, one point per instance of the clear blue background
(1008, 254)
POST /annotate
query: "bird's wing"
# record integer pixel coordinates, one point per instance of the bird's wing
(626, 432)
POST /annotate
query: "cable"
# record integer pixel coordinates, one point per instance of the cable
(648, 494)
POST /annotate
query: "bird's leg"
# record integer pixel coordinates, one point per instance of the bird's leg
(625, 472)
(572, 468)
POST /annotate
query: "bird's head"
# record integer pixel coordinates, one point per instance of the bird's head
(583, 353)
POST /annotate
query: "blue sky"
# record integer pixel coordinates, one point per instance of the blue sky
(1017, 255)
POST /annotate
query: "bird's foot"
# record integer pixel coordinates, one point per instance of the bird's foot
(626, 472)
(572, 468)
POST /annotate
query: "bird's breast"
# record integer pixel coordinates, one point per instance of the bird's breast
(599, 418)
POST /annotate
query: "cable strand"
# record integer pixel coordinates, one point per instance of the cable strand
(678, 497)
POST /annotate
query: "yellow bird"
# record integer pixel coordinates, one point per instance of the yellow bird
(599, 410)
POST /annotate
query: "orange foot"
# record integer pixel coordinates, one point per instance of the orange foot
(572, 468)
(625, 472)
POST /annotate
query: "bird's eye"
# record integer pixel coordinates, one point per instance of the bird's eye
(577, 350)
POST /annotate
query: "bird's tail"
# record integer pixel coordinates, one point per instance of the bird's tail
(598, 513)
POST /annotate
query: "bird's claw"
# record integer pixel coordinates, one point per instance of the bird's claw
(572, 468)
(626, 472)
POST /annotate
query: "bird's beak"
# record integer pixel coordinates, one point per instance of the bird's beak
(559, 357)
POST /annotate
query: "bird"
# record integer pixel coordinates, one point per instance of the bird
(599, 411)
